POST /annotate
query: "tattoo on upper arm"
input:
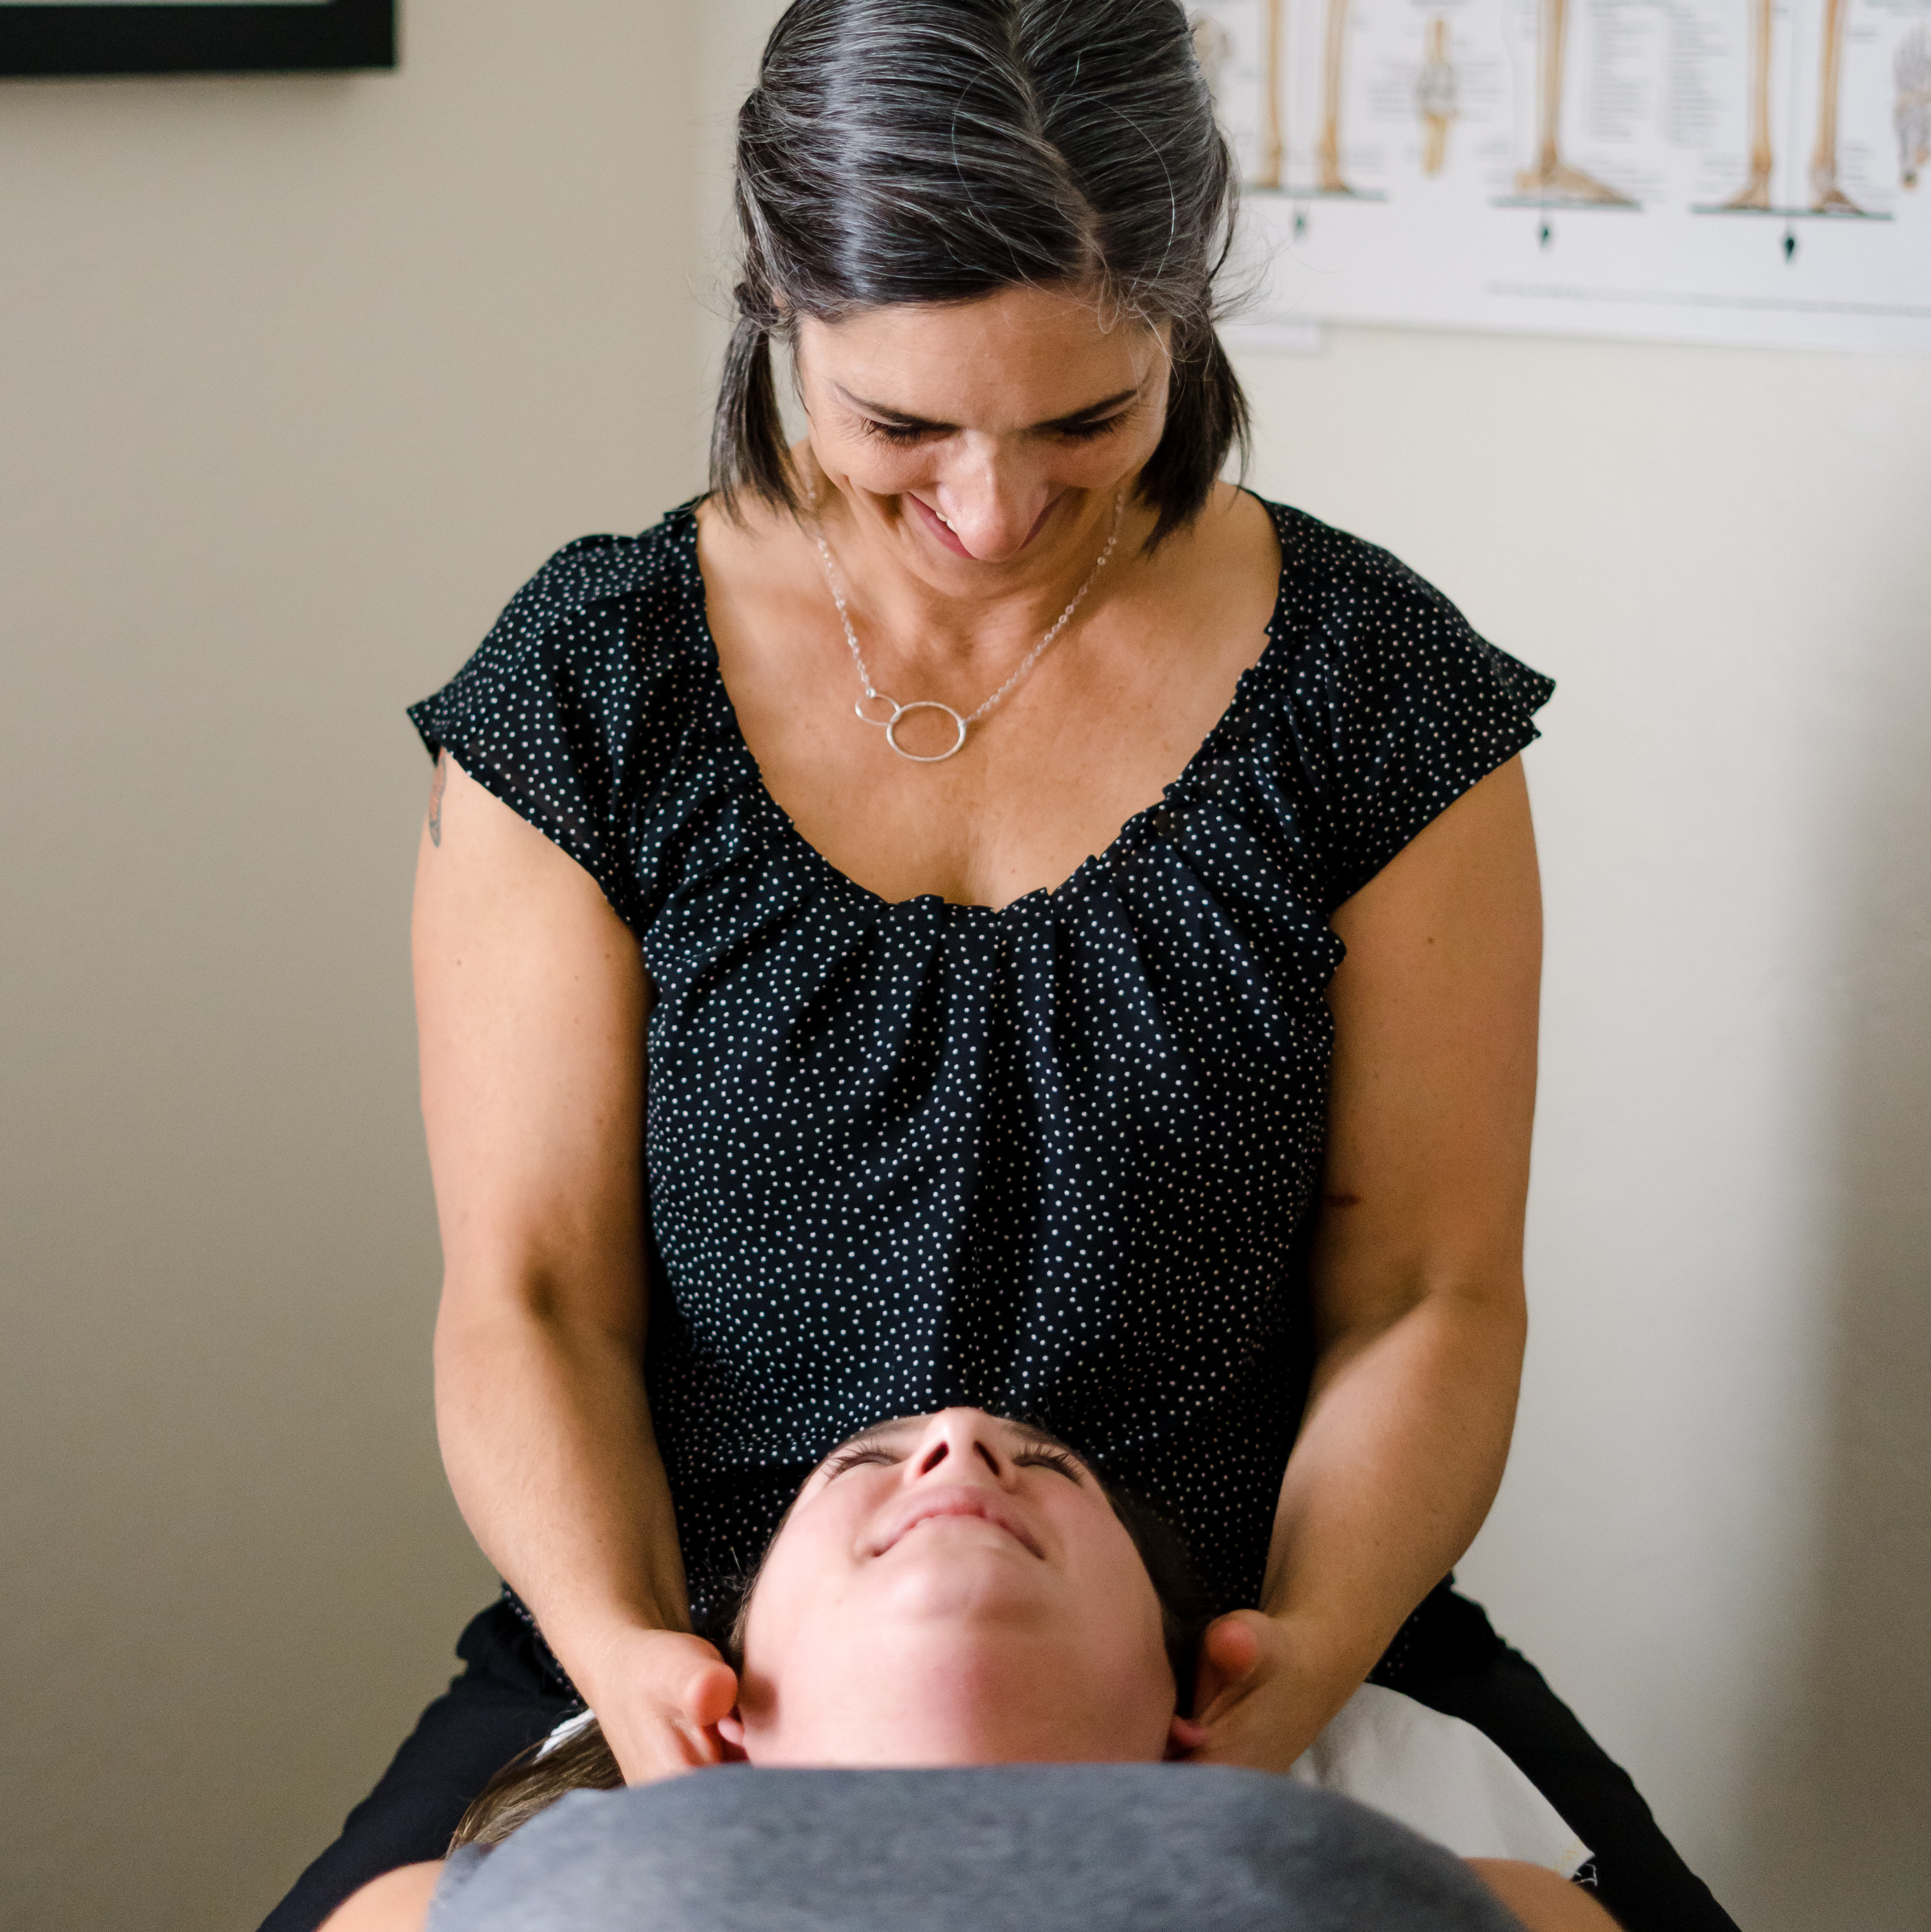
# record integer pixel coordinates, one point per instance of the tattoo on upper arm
(436, 798)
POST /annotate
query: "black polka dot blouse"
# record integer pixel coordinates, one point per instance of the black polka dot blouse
(1057, 1160)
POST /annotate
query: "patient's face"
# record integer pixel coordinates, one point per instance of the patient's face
(952, 1589)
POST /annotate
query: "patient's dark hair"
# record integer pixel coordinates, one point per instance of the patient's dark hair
(584, 1761)
(939, 151)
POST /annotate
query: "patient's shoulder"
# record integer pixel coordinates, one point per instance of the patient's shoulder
(398, 1901)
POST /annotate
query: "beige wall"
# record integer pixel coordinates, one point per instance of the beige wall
(1715, 1536)
(303, 376)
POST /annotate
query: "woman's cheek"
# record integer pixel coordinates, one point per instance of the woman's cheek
(876, 468)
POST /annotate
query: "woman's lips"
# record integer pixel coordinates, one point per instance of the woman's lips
(944, 532)
(982, 1504)
(940, 528)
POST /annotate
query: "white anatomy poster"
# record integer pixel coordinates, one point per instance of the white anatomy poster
(1736, 171)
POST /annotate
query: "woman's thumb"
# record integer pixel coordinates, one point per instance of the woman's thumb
(1229, 1649)
(710, 1692)
(1233, 1644)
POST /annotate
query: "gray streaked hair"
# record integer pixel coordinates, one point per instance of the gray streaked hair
(938, 151)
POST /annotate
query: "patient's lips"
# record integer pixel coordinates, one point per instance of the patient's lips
(954, 1500)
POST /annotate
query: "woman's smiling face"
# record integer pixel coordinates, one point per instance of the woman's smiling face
(989, 432)
(953, 1588)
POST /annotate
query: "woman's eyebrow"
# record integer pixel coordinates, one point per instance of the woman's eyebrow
(886, 413)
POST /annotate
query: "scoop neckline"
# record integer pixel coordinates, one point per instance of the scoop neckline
(1204, 753)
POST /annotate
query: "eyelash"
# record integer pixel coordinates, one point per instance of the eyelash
(901, 434)
(854, 1454)
(1039, 1456)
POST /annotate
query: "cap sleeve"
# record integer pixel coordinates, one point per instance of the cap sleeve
(560, 713)
(1400, 699)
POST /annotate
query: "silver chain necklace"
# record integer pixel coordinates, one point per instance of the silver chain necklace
(962, 725)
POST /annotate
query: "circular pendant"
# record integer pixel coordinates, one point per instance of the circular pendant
(924, 758)
(877, 697)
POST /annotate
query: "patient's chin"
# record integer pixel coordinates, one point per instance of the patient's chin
(961, 1569)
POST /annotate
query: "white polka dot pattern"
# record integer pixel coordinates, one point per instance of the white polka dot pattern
(1057, 1160)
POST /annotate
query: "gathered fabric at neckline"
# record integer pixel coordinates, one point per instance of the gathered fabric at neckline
(680, 528)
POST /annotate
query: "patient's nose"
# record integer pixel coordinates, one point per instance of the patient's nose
(961, 1445)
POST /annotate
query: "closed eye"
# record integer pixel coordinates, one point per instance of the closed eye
(1041, 1457)
(898, 432)
(873, 1449)
(1090, 432)
(854, 1453)
(903, 434)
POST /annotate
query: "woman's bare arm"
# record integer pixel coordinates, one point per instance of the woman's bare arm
(398, 1901)
(531, 1001)
(1416, 1272)
(1543, 1902)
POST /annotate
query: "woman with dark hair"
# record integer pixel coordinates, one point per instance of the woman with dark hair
(978, 910)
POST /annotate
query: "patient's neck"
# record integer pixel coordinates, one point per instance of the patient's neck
(928, 1695)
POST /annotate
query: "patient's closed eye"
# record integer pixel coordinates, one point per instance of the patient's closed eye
(854, 1453)
(1034, 1454)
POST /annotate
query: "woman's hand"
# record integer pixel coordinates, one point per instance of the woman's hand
(659, 1697)
(1260, 1696)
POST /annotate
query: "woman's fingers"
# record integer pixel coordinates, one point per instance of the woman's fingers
(1257, 1704)
(710, 1696)
(707, 1693)
(1230, 1656)
(711, 1693)
(661, 1710)
(1233, 1642)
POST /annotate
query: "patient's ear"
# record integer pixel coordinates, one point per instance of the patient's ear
(1183, 1737)
(730, 1734)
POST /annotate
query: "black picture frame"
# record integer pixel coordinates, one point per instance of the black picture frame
(170, 39)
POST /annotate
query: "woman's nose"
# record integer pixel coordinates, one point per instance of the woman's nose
(994, 502)
(960, 1445)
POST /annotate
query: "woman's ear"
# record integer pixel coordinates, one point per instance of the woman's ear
(730, 1734)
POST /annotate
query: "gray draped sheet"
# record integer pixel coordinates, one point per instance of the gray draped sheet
(1062, 1848)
